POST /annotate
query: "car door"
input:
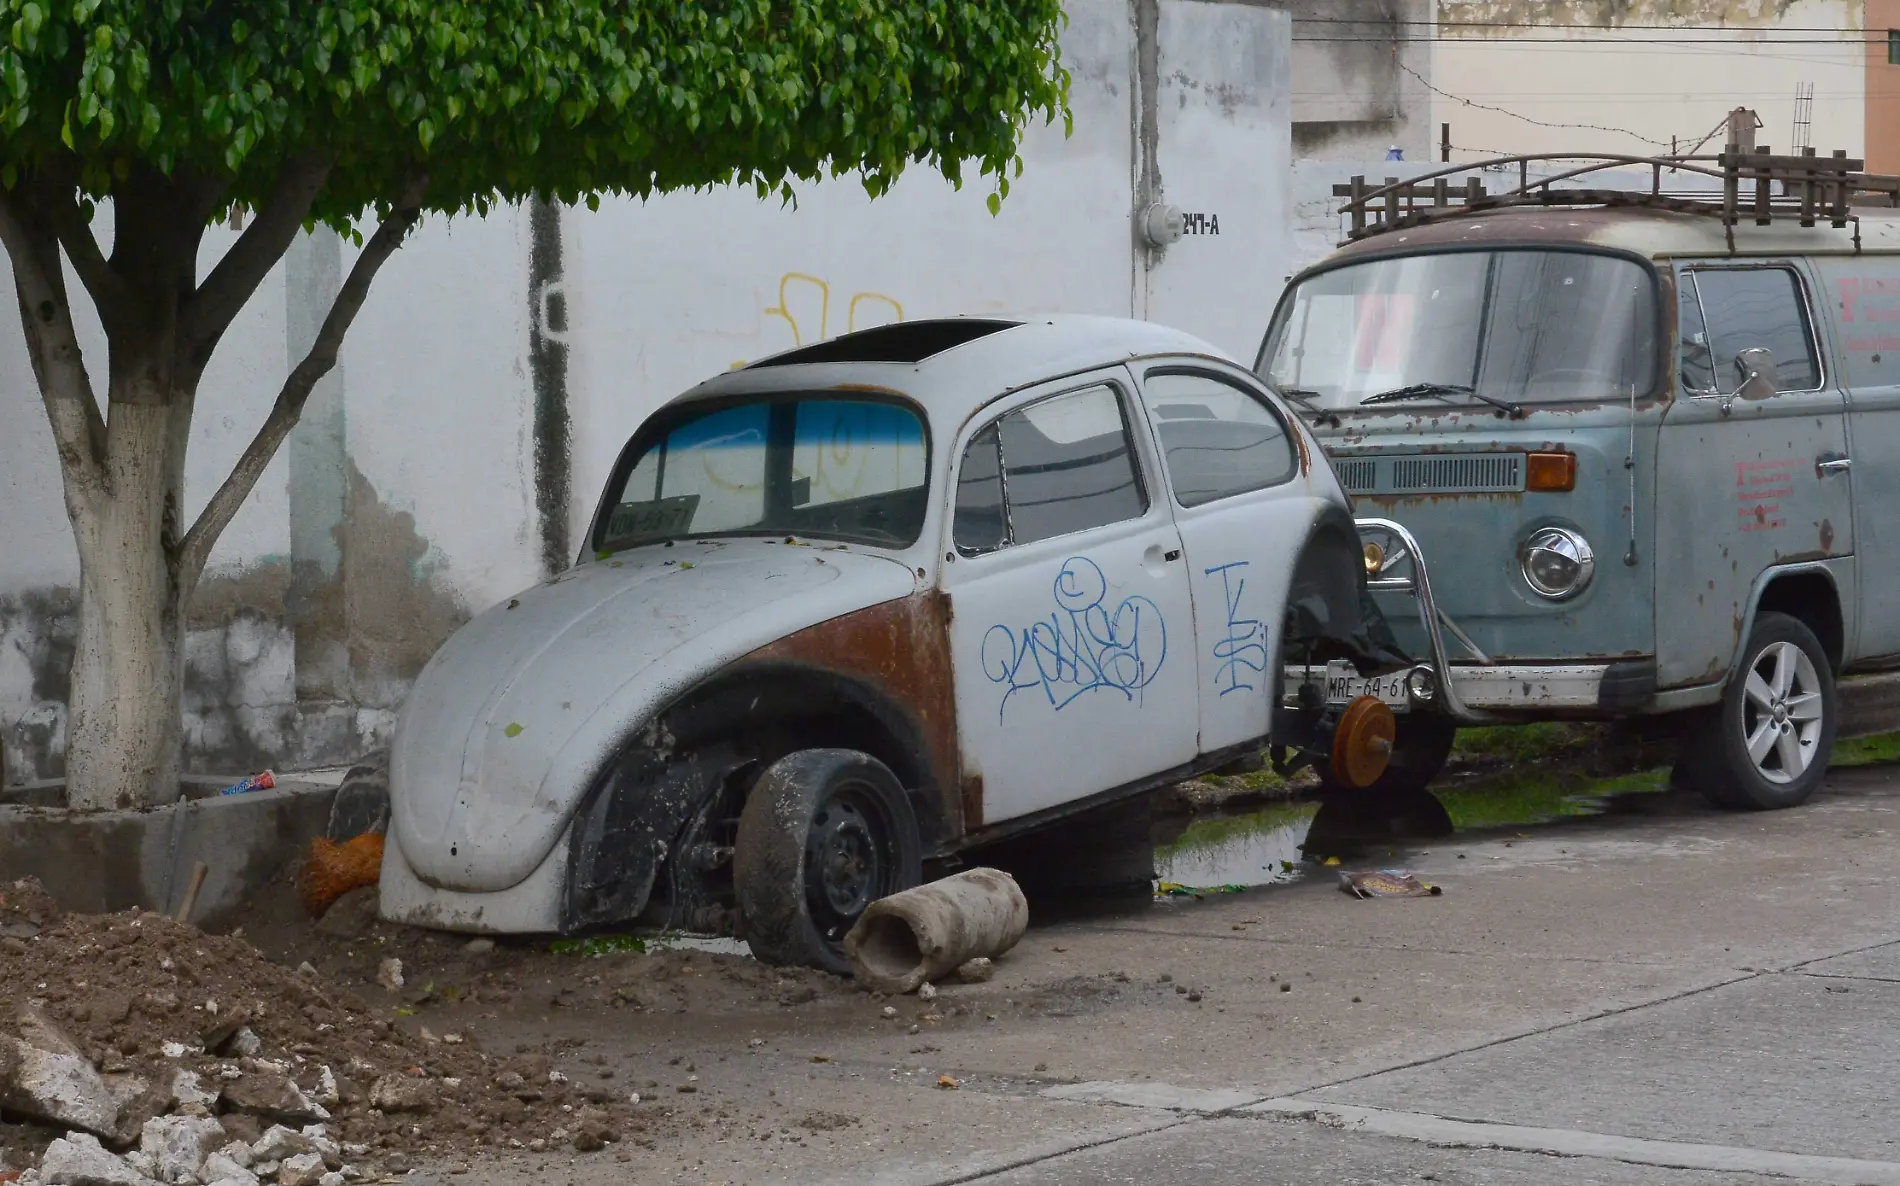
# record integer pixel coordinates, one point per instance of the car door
(1233, 474)
(1071, 626)
(1742, 485)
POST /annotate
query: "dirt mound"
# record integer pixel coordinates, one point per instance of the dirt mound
(140, 998)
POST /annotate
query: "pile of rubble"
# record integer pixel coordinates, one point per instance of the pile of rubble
(135, 1049)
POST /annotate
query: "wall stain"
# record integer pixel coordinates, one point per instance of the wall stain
(1739, 14)
(386, 605)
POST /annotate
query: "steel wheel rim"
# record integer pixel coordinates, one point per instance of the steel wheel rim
(849, 859)
(1782, 713)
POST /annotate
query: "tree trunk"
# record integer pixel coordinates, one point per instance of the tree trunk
(123, 732)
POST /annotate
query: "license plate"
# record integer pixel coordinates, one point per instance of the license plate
(1344, 685)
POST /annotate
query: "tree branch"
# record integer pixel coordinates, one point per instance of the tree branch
(209, 311)
(109, 291)
(196, 547)
(79, 431)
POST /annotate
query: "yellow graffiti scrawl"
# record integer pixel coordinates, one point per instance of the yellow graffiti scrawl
(804, 301)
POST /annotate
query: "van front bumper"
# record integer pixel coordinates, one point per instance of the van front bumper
(1502, 691)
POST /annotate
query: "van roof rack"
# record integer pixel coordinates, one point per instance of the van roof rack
(1813, 189)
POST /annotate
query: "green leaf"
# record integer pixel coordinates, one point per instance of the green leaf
(514, 730)
(995, 202)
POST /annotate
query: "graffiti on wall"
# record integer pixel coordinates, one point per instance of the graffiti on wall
(805, 306)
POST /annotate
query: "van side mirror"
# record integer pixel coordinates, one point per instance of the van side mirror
(1756, 366)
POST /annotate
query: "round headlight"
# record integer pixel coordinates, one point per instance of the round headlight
(1557, 562)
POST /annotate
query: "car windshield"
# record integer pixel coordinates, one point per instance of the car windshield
(809, 465)
(1521, 327)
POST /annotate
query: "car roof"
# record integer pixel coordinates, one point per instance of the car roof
(989, 357)
(1657, 234)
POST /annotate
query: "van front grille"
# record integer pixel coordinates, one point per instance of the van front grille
(1437, 473)
(1357, 476)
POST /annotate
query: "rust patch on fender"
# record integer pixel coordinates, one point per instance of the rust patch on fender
(1827, 535)
(901, 648)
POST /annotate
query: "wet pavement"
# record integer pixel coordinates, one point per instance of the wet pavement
(1618, 986)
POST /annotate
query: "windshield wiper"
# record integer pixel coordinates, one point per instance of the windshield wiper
(1440, 391)
(1304, 398)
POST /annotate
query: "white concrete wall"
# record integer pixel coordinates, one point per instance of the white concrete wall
(438, 400)
(1638, 95)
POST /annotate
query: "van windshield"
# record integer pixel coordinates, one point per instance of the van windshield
(820, 466)
(1520, 326)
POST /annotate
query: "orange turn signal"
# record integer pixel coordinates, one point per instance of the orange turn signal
(1556, 472)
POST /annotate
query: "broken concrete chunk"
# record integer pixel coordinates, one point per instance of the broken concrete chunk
(389, 974)
(273, 1095)
(245, 1043)
(238, 1153)
(333, 1178)
(401, 1093)
(976, 971)
(78, 1159)
(57, 1086)
(277, 1144)
(322, 1145)
(328, 1093)
(190, 1094)
(305, 1169)
(179, 1145)
(219, 1168)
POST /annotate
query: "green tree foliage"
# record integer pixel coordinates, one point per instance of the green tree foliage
(506, 98)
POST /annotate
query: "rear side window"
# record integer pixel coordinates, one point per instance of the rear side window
(1745, 308)
(1053, 468)
(1218, 439)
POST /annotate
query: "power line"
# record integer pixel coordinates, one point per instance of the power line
(1527, 119)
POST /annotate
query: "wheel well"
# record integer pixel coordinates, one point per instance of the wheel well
(1811, 598)
(768, 711)
(662, 819)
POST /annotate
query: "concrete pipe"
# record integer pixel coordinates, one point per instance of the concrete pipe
(923, 934)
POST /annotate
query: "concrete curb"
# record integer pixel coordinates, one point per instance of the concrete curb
(97, 862)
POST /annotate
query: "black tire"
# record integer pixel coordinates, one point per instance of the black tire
(1716, 758)
(824, 833)
(362, 800)
(1418, 754)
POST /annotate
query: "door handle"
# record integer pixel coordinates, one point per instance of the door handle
(1836, 465)
(1171, 554)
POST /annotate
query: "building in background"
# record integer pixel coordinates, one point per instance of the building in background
(1647, 76)
(1361, 79)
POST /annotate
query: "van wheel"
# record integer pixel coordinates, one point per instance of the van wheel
(1419, 751)
(824, 833)
(1767, 746)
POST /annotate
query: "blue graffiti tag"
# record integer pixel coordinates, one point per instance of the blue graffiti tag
(1083, 646)
(1244, 647)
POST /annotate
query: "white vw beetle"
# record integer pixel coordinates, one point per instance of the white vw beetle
(870, 603)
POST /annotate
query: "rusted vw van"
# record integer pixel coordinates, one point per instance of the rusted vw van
(1617, 452)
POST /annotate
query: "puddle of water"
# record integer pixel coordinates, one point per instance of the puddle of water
(1258, 848)
(1264, 847)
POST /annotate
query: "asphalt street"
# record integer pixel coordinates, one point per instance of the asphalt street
(1667, 995)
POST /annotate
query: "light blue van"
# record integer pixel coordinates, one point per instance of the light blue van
(1618, 455)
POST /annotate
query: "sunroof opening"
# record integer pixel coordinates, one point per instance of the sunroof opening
(906, 341)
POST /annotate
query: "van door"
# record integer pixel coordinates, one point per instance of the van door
(1742, 485)
(1864, 291)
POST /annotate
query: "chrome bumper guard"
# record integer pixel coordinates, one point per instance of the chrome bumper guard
(1474, 692)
